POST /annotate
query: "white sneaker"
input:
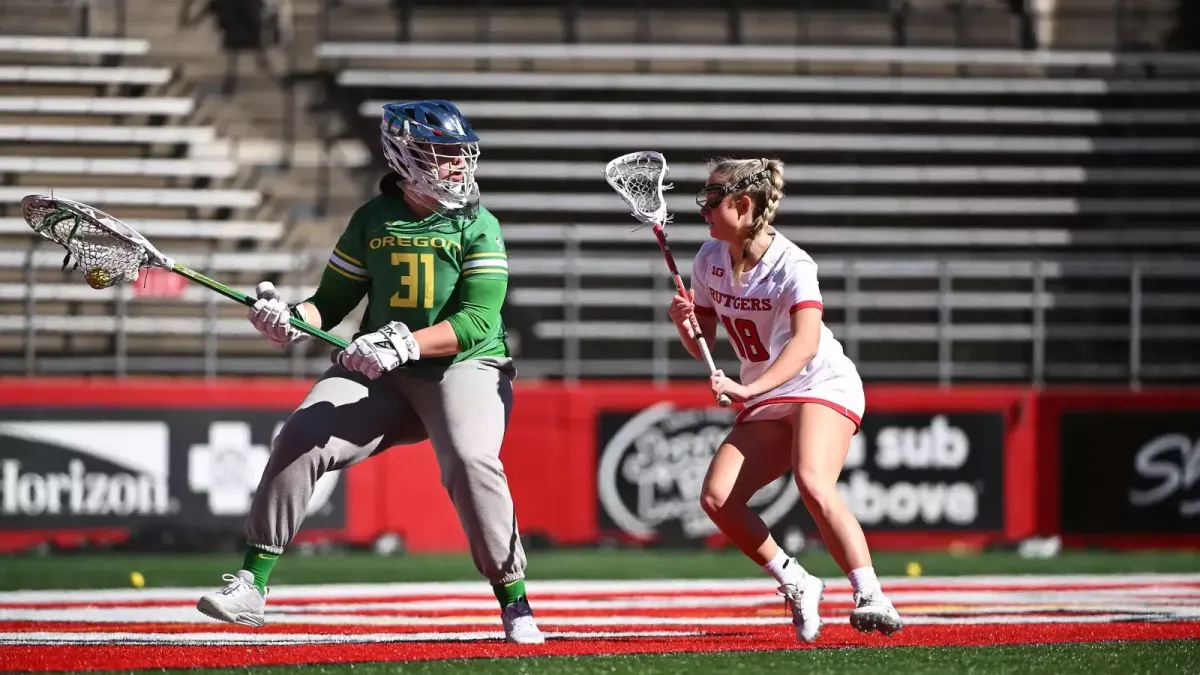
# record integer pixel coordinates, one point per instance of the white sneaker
(875, 612)
(239, 602)
(519, 627)
(804, 599)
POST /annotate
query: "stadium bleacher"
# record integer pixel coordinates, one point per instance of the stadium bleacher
(979, 211)
(101, 120)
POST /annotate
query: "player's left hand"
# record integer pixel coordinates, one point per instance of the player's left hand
(376, 353)
(724, 385)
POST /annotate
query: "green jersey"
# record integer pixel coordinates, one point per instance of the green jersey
(420, 273)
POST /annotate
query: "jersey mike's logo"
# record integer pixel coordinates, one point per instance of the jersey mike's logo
(652, 467)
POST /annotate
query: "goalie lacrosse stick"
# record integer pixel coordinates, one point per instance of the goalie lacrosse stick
(638, 178)
(108, 251)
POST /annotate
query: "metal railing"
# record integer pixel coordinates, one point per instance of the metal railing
(564, 324)
(1135, 25)
(87, 24)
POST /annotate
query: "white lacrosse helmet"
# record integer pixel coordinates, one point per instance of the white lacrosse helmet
(418, 137)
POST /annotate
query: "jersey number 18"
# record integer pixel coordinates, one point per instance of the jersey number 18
(417, 266)
(743, 333)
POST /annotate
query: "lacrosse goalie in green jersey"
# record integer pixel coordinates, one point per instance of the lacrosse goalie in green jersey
(429, 361)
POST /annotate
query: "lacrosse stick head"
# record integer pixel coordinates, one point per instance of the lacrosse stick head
(638, 178)
(104, 249)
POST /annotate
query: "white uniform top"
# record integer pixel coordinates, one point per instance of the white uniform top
(757, 314)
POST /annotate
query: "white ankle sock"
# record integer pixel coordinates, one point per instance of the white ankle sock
(863, 580)
(784, 569)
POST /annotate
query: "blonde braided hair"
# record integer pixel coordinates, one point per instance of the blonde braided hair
(764, 186)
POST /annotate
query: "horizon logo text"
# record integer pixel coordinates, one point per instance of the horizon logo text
(115, 469)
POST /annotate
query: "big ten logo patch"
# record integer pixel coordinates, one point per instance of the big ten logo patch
(716, 271)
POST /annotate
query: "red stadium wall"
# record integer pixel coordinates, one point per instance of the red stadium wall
(611, 461)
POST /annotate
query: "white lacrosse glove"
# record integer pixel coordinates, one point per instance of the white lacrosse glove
(376, 353)
(270, 316)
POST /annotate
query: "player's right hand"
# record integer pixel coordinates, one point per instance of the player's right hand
(270, 315)
(682, 309)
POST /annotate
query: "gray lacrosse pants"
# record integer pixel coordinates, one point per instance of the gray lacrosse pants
(347, 418)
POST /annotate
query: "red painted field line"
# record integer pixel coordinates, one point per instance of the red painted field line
(76, 658)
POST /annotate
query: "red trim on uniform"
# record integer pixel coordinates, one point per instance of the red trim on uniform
(704, 311)
(805, 304)
(836, 407)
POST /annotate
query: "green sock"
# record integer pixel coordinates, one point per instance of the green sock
(509, 593)
(259, 563)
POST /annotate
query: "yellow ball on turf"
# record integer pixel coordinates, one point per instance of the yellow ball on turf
(913, 569)
(136, 579)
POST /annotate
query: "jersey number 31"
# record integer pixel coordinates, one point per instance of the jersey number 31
(417, 266)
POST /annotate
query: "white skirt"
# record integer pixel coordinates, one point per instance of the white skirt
(843, 394)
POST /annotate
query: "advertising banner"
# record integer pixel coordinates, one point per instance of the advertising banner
(104, 467)
(1132, 472)
(589, 462)
(904, 471)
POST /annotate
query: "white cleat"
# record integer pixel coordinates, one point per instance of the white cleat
(239, 602)
(875, 612)
(519, 627)
(804, 599)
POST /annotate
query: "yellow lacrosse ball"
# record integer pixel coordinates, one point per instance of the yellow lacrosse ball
(136, 579)
(913, 569)
(97, 278)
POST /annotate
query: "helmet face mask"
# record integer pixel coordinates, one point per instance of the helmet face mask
(432, 146)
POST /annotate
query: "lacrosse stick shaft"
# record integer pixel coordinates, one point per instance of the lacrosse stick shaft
(661, 235)
(248, 301)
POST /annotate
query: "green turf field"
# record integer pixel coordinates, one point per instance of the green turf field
(112, 570)
(1130, 658)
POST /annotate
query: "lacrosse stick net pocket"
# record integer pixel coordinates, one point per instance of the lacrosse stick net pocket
(104, 257)
(638, 178)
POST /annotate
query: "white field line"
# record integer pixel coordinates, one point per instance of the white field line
(703, 602)
(484, 610)
(472, 588)
(200, 639)
(1178, 610)
(983, 616)
(241, 638)
(734, 621)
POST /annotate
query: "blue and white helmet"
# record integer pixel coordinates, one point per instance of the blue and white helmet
(418, 137)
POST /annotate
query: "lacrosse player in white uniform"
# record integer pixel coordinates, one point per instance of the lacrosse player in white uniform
(803, 396)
